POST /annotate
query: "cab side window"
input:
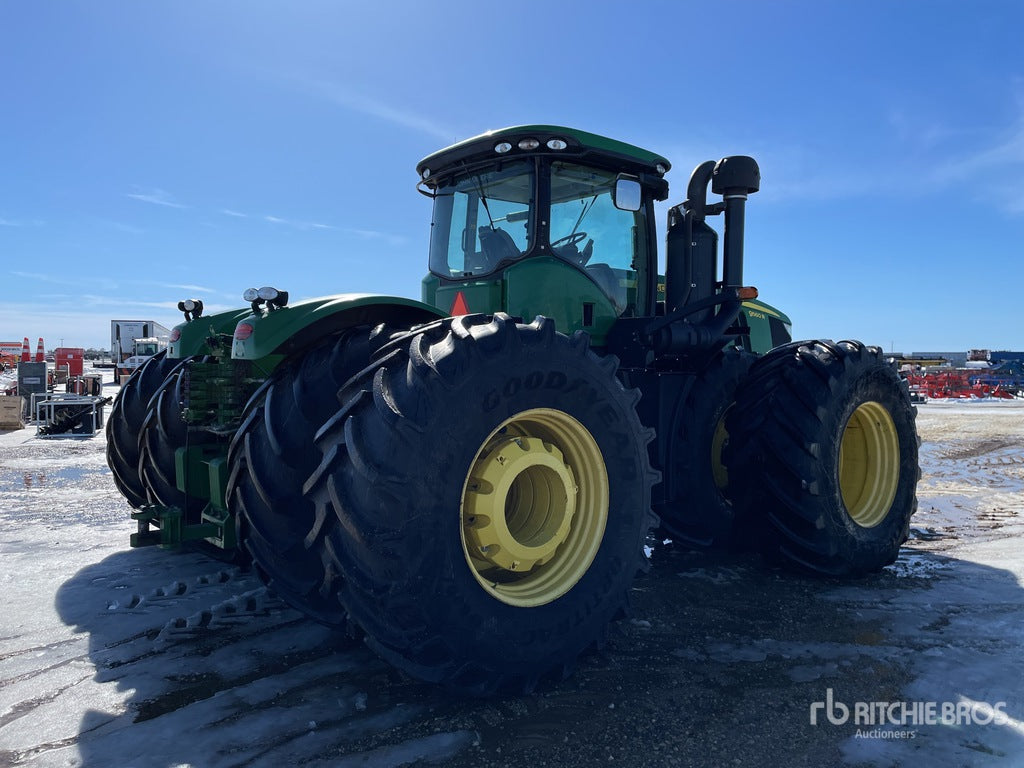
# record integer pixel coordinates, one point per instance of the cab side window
(589, 231)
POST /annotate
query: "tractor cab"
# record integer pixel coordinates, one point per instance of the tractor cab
(543, 220)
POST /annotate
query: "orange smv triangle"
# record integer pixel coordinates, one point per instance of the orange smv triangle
(459, 306)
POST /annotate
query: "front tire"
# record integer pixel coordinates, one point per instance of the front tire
(163, 431)
(272, 455)
(824, 433)
(125, 424)
(486, 495)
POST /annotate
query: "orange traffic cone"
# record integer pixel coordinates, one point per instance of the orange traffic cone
(26, 355)
(40, 352)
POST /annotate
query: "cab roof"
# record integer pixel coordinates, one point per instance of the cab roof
(514, 142)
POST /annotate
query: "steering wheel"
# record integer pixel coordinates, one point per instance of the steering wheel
(570, 240)
(568, 250)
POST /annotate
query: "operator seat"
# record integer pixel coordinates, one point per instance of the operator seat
(609, 282)
(497, 245)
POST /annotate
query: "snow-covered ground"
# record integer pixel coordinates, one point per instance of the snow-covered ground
(964, 628)
(117, 657)
(111, 656)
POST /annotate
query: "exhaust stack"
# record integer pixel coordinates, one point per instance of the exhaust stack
(735, 179)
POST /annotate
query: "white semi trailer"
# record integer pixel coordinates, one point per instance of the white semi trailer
(133, 342)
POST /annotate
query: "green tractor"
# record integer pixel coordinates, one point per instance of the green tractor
(469, 480)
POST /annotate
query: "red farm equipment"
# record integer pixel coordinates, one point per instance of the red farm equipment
(960, 384)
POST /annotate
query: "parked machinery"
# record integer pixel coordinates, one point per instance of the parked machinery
(470, 479)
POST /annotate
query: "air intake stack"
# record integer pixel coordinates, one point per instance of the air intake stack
(692, 246)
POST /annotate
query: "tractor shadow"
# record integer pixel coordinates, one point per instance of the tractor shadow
(720, 661)
(212, 668)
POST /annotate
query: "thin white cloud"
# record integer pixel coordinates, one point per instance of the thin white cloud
(991, 172)
(369, 106)
(937, 155)
(56, 296)
(297, 224)
(369, 234)
(192, 288)
(89, 299)
(20, 223)
(127, 286)
(156, 197)
(1006, 155)
(76, 281)
(921, 133)
(236, 214)
(128, 228)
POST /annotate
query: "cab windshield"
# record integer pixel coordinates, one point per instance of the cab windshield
(481, 220)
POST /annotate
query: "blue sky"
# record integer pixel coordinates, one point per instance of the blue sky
(155, 151)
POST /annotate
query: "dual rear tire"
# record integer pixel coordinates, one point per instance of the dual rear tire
(823, 435)
(701, 511)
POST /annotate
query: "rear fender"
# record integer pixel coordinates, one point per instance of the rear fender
(290, 329)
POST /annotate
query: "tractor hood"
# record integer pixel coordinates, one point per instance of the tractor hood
(193, 337)
(267, 331)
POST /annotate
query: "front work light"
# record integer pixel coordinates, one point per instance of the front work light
(192, 308)
(267, 295)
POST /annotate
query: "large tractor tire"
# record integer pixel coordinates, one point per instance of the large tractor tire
(163, 431)
(485, 495)
(824, 434)
(703, 513)
(273, 454)
(125, 423)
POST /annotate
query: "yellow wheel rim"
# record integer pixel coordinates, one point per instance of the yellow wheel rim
(534, 507)
(869, 464)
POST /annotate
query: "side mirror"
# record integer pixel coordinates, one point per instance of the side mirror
(628, 195)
